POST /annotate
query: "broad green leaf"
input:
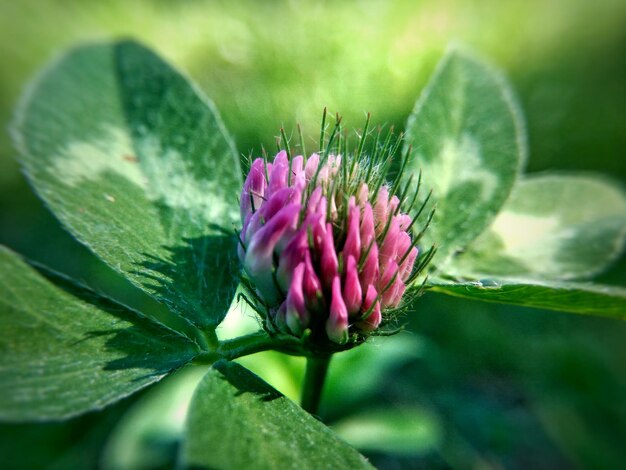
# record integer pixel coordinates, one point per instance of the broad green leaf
(66, 350)
(469, 141)
(137, 165)
(572, 297)
(404, 431)
(236, 420)
(552, 227)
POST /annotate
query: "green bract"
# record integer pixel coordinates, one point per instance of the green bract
(136, 164)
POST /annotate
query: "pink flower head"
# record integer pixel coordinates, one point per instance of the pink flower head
(325, 245)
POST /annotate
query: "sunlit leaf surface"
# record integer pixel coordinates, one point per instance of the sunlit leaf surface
(136, 164)
(572, 297)
(469, 142)
(552, 227)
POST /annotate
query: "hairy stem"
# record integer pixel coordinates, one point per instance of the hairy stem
(245, 345)
(314, 377)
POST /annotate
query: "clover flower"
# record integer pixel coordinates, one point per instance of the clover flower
(326, 246)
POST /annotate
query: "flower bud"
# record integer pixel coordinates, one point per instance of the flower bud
(325, 246)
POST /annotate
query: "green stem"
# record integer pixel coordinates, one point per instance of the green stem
(245, 345)
(314, 377)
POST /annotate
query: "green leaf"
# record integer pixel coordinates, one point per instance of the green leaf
(236, 420)
(572, 297)
(469, 141)
(552, 227)
(404, 431)
(66, 350)
(137, 165)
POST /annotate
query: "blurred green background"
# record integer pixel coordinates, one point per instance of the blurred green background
(487, 386)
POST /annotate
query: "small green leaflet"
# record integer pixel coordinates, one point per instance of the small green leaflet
(236, 420)
(66, 350)
(469, 141)
(554, 226)
(137, 165)
(584, 298)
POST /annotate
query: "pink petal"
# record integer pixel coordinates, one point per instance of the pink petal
(393, 296)
(278, 176)
(311, 166)
(370, 270)
(407, 265)
(337, 323)
(328, 262)
(352, 293)
(367, 226)
(311, 286)
(362, 195)
(253, 189)
(404, 220)
(389, 247)
(352, 246)
(292, 256)
(380, 210)
(314, 199)
(277, 201)
(390, 270)
(296, 315)
(374, 316)
(393, 205)
(259, 259)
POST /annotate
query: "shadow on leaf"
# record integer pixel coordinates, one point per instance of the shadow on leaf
(144, 344)
(196, 279)
(245, 381)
